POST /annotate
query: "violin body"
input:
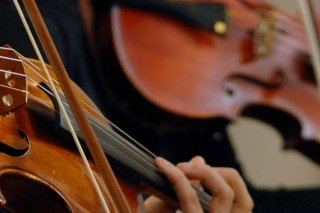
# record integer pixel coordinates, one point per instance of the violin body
(40, 169)
(194, 73)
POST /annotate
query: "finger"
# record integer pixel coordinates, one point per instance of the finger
(243, 201)
(155, 205)
(187, 196)
(214, 182)
(199, 161)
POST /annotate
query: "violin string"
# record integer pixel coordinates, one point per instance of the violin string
(130, 138)
(77, 142)
(127, 145)
(15, 89)
(12, 73)
(9, 58)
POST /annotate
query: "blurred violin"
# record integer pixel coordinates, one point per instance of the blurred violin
(260, 67)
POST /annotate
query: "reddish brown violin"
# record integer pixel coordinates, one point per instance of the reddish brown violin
(39, 159)
(260, 68)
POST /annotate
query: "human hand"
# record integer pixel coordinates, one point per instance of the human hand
(229, 190)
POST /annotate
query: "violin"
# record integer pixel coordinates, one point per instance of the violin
(259, 68)
(33, 131)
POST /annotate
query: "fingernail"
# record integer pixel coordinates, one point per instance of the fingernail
(217, 169)
(160, 161)
(184, 165)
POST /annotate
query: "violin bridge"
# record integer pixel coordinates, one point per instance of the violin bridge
(264, 36)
